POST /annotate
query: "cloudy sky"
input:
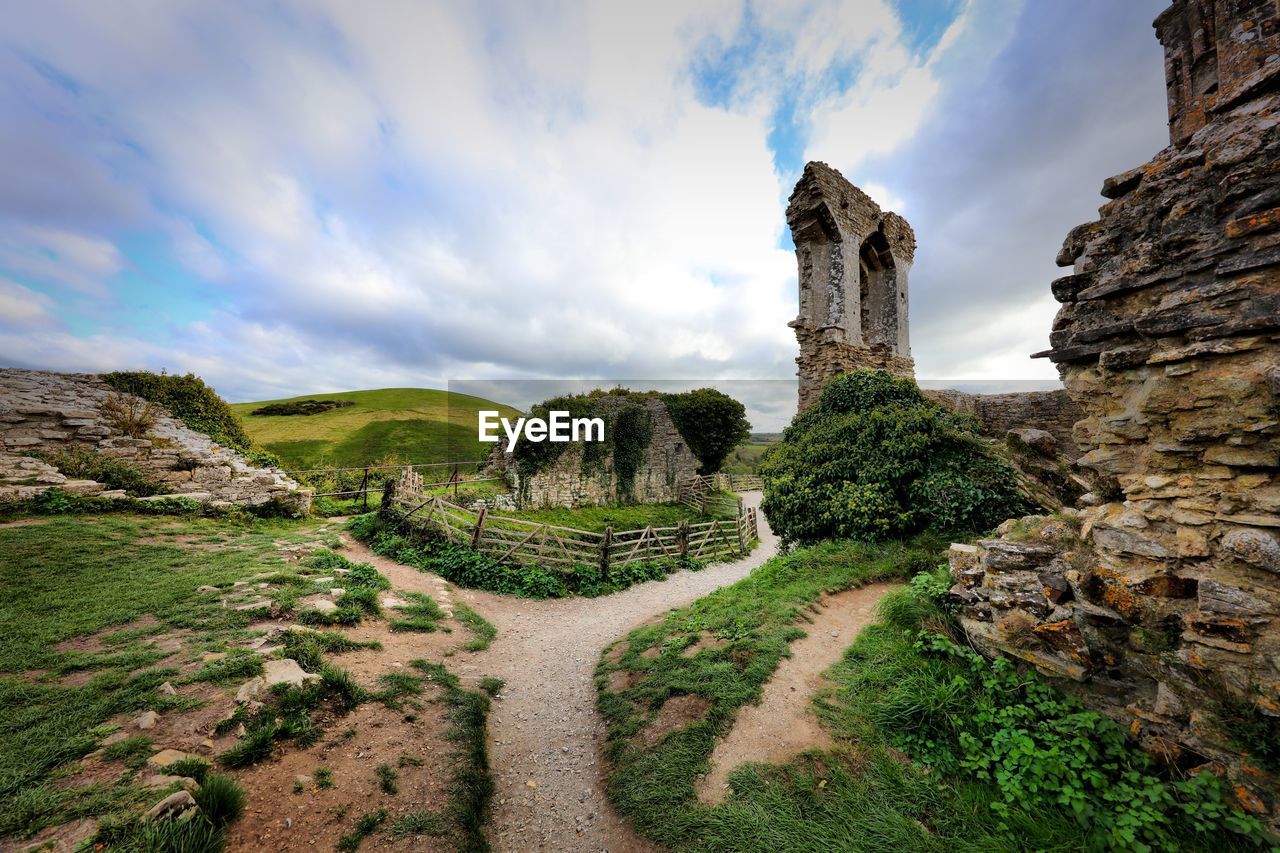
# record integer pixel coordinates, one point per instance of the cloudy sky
(293, 197)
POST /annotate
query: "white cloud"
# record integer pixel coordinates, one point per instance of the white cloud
(77, 261)
(21, 307)
(399, 192)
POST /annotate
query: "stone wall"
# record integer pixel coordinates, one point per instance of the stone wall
(854, 260)
(44, 412)
(1166, 610)
(667, 461)
(1052, 411)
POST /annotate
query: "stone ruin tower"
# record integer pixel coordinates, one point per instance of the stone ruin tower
(1167, 611)
(854, 259)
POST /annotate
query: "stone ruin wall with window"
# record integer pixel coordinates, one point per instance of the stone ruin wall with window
(854, 264)
(854, 260)
(1160, 601)
(567, 483)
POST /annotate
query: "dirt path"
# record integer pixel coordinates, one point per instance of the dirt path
(784, 723)
(544, 733)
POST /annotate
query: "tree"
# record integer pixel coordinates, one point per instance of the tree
(711, 423)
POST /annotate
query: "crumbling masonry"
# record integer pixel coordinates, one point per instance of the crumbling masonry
(854, 260)
(1164, 607)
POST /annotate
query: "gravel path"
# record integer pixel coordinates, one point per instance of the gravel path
(545, 737)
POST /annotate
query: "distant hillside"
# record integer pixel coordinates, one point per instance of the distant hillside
(413, 424)
(745, 458)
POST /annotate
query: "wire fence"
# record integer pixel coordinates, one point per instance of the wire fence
(358, 482)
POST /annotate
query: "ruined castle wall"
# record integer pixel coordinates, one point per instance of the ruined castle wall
(44, 412)
(854, 261)
(1052, 411)
(1166, 611)
(566, 482)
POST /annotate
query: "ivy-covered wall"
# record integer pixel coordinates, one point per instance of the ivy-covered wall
(642, 459)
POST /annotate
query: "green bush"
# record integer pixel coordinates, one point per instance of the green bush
(873, 460)
(191, 401)
(712, 424)
(302, 407)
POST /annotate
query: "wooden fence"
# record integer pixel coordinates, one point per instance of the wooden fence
(697, 492)
(518, 540)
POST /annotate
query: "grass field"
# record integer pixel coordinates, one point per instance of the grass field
(410, 424)
(73, 576)
(102, 613)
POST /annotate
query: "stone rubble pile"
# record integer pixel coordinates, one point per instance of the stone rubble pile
(43, 412)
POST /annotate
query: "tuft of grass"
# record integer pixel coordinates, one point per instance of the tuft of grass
(387, 779)
(132, 751)
(343, 687)
(364, 827)
(220, 798)
(191, 768)
(308, 648)
(472, 783)
(397, 686)
(492, 686)
(482, 630)
(171, 836)
(324, 778)
(257, 744)
(422, 614)
(420, 823)
(238, 665)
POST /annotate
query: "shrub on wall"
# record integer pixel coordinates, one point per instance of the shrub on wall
(873, 459)
(711, 423)
(82, 464)
(194, 403)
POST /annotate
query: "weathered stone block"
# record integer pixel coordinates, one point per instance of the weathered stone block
(1001, 556)
(1256, 547)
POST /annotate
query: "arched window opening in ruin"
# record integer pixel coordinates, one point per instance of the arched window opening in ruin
(878, 293)
(821, 262)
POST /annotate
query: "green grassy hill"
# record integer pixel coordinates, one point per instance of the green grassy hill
(412, 424)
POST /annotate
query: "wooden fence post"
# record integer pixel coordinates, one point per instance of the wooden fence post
(605, 544)
(364, 489)
(475, 534)
(682, 538)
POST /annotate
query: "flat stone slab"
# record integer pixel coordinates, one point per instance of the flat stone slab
(165, 757)
(320, 603)
(286, 671)
(159, 780)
